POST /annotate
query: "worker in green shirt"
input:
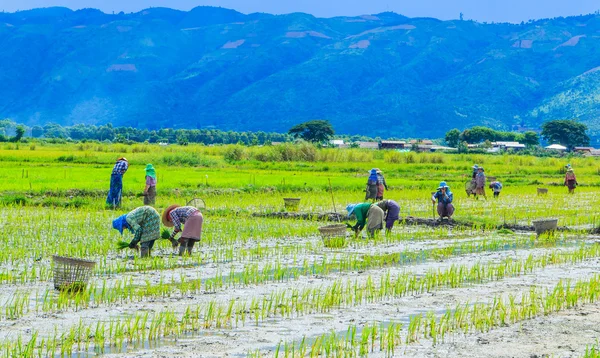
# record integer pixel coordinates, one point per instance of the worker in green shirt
(368, 215)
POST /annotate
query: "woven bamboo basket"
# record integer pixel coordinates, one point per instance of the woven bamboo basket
(291, 204)
(542, 191)
(334, 236)
(544, 225)
(71, 274)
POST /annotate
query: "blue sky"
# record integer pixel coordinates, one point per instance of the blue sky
(481, 10)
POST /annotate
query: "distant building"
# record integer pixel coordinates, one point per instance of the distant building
(392, 144)
(336, 142)
(592, 153)
(368, 145)
(515, 146)
(584, 149)
(557, 147)
(423, 142)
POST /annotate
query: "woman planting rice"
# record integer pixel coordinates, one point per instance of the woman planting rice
(392, 212)
(150, 188)
(372, 186)
(176, 216)
(381, 184)
(144, 223)
(368, 215)
(116, 183)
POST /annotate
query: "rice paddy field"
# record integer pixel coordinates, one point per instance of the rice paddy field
(259, 286)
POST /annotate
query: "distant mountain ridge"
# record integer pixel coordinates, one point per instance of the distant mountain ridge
(382, 74)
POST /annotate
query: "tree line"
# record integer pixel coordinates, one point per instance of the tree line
(567, 132)
(83, 132)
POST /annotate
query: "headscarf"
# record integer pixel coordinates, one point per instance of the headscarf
(150, 172)
(373, 176)
(120, 224)
(350, 208)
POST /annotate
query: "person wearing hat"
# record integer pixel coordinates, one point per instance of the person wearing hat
(392, 213)
(496, 186)
(472, 185)
(570, 179)
(150, 188)
(381, 184)
(372, 186)
(116, 183)
(191, 219)
(444, 197)
(368, 215)
(480, 182)
(144, 223)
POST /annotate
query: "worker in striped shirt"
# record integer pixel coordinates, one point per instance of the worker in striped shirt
(191, 219)
(116, 183)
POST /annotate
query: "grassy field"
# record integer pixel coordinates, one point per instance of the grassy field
(268, 287)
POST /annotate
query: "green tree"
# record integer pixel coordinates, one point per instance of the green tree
(37, 131)
(452, 137)
(567, 132)
(531, 138)
(316, 131)
(463, 147)
(19, 133)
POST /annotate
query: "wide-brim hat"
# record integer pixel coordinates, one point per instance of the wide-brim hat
(475, 166)
(165, 215)
(378, 171)
(481, 168)
(350, 208)
(122, 158)
(443, 185)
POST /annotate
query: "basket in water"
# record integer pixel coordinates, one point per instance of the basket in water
(545, 225)
(71, 274)
(334, 236)
(291, 204)
(541, 191)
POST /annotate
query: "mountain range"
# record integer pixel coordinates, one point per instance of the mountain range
(379, 75)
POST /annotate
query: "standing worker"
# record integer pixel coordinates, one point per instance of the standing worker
(144, 223)
(381, 184)
(472, 184)
(372, 186)
(150, 188)
(368, 215)
(444, 197)
(176, 216)
(480, 182)
(392, 213)
(570, 179)
(116, 183)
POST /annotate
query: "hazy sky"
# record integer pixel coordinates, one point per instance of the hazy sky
(481, 10)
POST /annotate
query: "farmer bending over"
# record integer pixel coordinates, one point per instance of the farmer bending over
(392, 213)
(368, 215)
(176, 216)
(496, 186)
(116, 183)
(144, 223)
(444, 197)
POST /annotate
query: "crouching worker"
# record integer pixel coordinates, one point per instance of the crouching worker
(368, 215)
(444, 197)
(392, 213)
(144, 223)
(191, 219)
(496, 186)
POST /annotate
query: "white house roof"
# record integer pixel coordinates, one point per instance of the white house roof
(556, 147)
(337, 141)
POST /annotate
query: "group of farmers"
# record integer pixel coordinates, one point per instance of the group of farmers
(144, 221)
